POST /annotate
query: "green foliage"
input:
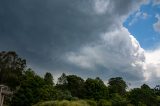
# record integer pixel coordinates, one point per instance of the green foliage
(29, 88)
(63, 95)
(75, 85)
(117, 85)
(145, 87)
(143, 95)
(158, 99)
(33, 89)
(130, 104)
(95, 88)
(118, 100)
(157, 90)
(48, 79)
(64, 103)
(91, 102)
(46, 103)
(47, 92)
(62, 80)
(104, 102)
(11, 69)
(141, 104)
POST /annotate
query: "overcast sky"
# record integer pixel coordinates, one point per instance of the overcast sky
(90, 38)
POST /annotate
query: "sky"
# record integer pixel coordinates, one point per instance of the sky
(89, 38)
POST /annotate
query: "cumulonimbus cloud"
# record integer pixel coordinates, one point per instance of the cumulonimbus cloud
(118, 51)
(75, 35)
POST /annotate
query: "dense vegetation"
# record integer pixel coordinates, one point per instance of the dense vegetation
(70, 90)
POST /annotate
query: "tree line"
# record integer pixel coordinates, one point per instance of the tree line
(29, 88)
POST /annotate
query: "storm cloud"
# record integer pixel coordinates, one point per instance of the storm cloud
(84, 37)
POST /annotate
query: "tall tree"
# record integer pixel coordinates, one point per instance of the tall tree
(62, 80)
(75, 85)
(48, 78)
(96, 89)
(117, 85)
(143, 95)
(32, 90)
(11, 68)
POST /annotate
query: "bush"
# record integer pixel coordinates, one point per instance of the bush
(48, 103)
(130, 104)
(158, 99)
(74, 98)
(91, 102)
(103, 102)
(118, 100)
(141, 104)
(64, 103)
(63, 95)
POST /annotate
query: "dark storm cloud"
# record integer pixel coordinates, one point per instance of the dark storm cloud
(44, 30)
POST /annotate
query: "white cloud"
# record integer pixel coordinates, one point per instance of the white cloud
(117, 51)
(156, 25)
(153, 63)
(153, 57)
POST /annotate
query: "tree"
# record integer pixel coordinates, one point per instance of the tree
(96, 89)
(29, 91)
(157, 90)
(145, 86)
(47, 92)
(117, 85)
(11, 68)
(62, 80)
(48, 78)
(143, 95)
(75, 85)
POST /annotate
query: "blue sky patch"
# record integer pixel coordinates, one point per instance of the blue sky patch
(141, 26)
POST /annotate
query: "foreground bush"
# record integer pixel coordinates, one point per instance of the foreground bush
(64, 103)
(103, 102)
(91, 102)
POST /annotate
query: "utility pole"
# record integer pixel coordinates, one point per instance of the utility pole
(4, 91)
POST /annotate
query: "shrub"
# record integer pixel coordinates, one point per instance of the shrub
(47, 103)
(91, 102)
(141, 104)
(103, 102)
(64, 103)
(118, 100)
(74, 98)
